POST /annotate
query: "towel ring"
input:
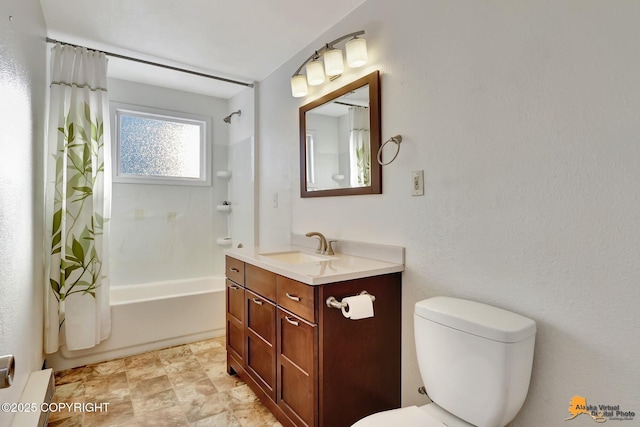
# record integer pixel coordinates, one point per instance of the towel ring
(396, 140)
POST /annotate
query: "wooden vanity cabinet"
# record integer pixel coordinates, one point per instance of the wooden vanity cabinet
(308, 364)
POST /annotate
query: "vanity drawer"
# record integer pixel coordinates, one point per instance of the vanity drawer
(297, 297)
(235, 270)
(261, 281)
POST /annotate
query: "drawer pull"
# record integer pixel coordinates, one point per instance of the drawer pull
(234, 270)
(234, 287)
(293, 297)
(257, 301)
(293, 322)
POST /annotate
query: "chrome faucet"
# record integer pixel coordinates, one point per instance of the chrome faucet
(322, 242)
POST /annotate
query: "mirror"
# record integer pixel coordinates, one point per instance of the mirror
(339, 140)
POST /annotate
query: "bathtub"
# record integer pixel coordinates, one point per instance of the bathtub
(154, 315)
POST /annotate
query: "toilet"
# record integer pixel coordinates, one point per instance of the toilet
(475, 361)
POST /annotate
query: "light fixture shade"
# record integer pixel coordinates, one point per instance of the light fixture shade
(315, 73)
(333, 63)
(299, 86)
(356, 52)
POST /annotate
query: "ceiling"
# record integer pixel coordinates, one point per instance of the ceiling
(243, 40)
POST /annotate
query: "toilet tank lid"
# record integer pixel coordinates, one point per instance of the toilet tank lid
(476, 318)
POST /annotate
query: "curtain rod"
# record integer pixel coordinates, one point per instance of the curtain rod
(155, 64)
(349, 105)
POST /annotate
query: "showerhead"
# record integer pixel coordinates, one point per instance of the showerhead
(228, 118)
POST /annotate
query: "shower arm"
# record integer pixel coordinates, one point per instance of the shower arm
(228, 118)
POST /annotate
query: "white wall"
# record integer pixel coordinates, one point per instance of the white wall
(525, 119)
(154, 247)
(22, 101)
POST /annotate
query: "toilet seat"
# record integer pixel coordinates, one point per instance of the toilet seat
(410, 416)
(429, 415)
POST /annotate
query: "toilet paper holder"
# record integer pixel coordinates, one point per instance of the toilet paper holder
(332, 302)
(7, 370)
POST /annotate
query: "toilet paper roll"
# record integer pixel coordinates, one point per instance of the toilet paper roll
(358, 307)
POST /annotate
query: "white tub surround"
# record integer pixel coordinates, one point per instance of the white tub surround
(352, 260)
(154, 315)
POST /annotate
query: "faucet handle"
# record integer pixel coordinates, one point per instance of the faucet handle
(330, 248)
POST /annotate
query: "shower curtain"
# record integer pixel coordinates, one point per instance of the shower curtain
(359, 147)
(77, 201)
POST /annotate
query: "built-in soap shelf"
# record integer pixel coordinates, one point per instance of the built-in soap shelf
(224, 241)
(225, 206)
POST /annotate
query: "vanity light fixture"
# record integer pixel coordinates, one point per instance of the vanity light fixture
(333, 63)
(315, 75)
(356, 50)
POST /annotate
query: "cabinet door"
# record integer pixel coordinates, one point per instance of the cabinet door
(235, 322)
(297, 369)
(260, 354)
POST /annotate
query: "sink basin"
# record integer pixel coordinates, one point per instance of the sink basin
(295, 257)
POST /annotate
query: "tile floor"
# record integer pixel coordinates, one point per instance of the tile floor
(186, 385)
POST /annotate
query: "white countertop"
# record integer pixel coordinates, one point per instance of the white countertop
(335, 268)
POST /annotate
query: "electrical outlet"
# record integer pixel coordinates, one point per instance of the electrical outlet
(275, 200)
(417, 183)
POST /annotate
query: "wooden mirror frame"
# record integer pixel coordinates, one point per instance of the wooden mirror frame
(373, 80)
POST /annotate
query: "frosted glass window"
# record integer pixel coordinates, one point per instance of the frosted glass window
(160, 147)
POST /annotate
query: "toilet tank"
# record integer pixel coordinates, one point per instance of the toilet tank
(475, 359)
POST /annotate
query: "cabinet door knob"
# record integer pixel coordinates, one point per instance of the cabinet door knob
(257, 301)
(293, 322)
(293, 297)
(234, 270)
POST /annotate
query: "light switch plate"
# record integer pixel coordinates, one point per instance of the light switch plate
(417, 183)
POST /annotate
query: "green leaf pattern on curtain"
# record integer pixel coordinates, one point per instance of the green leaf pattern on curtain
(364, 165)
(359, 147)
(80, 264)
